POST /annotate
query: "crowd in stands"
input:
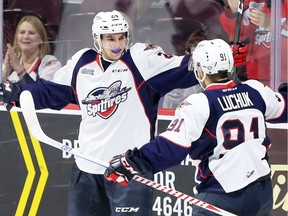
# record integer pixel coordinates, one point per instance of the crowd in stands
(167, 23)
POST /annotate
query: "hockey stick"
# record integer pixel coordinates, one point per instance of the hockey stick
(30, 116)
(238, 21)
(237, 36)
(29, 113)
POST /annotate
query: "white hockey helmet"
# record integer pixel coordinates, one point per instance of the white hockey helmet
(212, 56)
(109, 23)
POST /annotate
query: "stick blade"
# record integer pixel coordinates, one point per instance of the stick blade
(29, 113)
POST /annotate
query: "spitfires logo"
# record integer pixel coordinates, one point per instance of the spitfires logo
(104, 101)
(263, 37)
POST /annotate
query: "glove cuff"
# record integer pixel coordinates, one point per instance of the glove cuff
(138, 165)
(283, 87)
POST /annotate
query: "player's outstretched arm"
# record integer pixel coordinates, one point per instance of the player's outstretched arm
(125, 166)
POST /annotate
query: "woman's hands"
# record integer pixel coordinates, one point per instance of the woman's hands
(11, 63)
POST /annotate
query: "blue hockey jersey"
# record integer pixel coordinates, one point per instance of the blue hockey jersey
(223, 130)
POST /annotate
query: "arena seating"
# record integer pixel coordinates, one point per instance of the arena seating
(174, 33)
(50, 12)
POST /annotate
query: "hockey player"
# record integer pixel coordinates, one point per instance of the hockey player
(117, 87)
(223, 129)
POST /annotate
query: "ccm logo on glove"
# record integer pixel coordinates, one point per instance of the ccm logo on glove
(127, 165)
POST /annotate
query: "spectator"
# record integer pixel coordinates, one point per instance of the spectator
(223, 130)
(118, 87)
(206, 13)
(256, 32)
(29, 58)
(259, 57)
(176, 96)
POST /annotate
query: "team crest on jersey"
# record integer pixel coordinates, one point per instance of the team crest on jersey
(150, 47)
(183, 104)
(104, 101)
(263, 37)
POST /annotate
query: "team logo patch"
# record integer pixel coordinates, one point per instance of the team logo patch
(87, 71)
(263, 37)
(150, 47)
(249, 174)
(183, 104)
(104, 101)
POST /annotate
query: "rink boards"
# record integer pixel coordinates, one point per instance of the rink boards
(34, 176)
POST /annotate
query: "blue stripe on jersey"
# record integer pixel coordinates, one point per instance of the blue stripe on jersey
(174, 78)
(203, 148)
(151, 90)
(86, 58)
(147, 95)
(160, 154)
(47, 94)
(217, 109)
(56, 96)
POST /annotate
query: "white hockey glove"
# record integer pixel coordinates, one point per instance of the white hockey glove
(123, 167)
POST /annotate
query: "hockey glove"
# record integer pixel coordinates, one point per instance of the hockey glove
(240, 51)
(283, 87)
(123, 167)
(9, 94)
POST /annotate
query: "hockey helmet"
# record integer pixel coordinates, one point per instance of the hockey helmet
(109, 23)
(212, 56)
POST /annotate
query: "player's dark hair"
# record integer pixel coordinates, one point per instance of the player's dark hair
(195, 38)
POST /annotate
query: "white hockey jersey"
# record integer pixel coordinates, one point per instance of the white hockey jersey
(223, 129)
(119, 104)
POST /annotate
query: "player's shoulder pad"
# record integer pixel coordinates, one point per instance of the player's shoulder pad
(197, 100)
(81, 52)
(255, 84)
(196, 97)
